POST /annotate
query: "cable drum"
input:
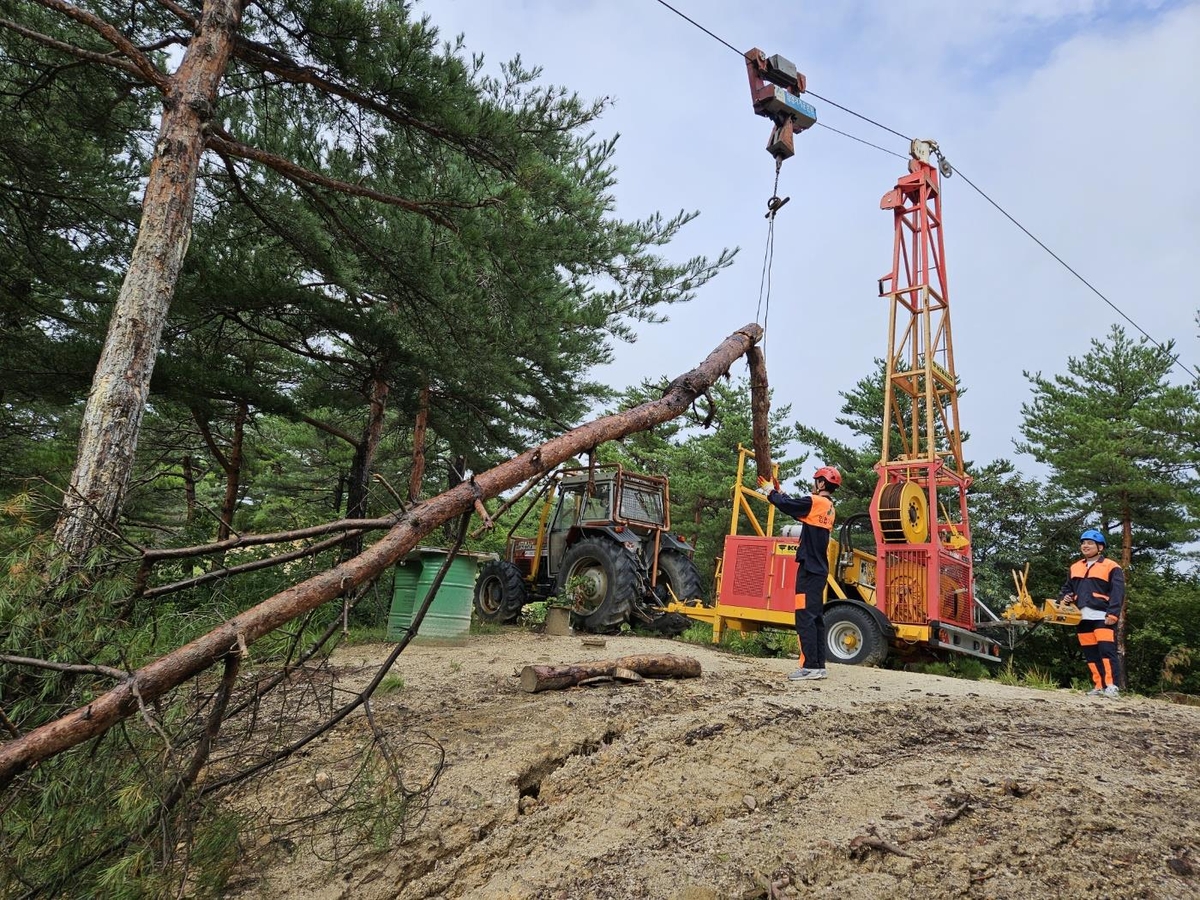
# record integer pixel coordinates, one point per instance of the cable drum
(904, 514)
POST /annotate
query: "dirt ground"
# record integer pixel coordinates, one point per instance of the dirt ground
(739, 784)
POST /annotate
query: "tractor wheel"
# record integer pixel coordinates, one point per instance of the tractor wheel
(853, 637)
(500, 592)
(599, 578)
(677, 572)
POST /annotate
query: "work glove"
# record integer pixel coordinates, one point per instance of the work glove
(1110, 620)
(765, 484)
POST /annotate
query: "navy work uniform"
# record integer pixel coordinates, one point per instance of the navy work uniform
(816, 513)
(1098, 585)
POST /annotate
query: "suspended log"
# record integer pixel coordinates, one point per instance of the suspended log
(760, 413)
(626, 668)
(167, 672)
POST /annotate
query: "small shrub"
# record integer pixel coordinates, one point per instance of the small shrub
(534, 614)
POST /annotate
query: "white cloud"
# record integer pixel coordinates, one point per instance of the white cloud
(1078, 116)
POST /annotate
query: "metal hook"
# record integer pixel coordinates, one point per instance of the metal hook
(774, 205)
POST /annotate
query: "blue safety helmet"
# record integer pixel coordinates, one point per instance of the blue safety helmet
(1093, 535)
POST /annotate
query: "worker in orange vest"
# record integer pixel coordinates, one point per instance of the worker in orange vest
(816, 513)
(1096, 585)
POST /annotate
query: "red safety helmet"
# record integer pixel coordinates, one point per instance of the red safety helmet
(830, 474)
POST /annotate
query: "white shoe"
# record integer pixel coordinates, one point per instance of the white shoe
(807, 675)
(1095, 692)
(1111, 691)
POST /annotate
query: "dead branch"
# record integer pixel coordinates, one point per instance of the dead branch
(365, 694)
(212, 728)
(164, 674)
(278, 537)
(430, 209)
(379, 479)
(861, 845)
(508, 504)
(252, 566)
(104, 59)
(73, 668)
(140, 63)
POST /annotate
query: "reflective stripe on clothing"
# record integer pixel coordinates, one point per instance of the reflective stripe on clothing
(1099, 652)
(1097, 585)
(817, 515)
(822, 513)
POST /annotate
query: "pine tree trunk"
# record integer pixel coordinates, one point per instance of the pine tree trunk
(189, 487)
(418, 451)
(364, 461)
(232, 464)
(112, 419)
(364, 451)
(1126, 559)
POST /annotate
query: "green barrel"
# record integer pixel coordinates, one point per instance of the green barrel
(448, 619)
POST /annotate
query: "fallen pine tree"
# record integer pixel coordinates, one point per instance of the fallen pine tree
(146, 685)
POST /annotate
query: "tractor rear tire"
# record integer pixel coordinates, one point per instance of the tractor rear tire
(500, 592)
(602, 576)
(677, 572)
(852, 637)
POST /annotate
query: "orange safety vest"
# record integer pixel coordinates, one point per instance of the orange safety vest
(1093, 586)
(822, 513)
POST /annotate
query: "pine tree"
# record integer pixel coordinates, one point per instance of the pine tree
(1122, 442)
(472, 213)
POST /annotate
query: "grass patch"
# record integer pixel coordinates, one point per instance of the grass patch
(1031, 677)
(365, 634)
(769, 643)
(478, 627)
(391, 684)
(697, 633)
(963, 667)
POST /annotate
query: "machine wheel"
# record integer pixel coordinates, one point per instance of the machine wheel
(603, 580)
(500, 592)
(677, 572)
(853, 637)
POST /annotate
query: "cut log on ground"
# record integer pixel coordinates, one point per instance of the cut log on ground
(626, 668)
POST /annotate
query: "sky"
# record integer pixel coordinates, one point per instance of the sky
(1081, 118)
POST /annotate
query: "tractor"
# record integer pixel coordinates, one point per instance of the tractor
(603, 547)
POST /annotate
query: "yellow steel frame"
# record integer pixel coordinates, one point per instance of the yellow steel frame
(741, 502)
(1024, 609)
